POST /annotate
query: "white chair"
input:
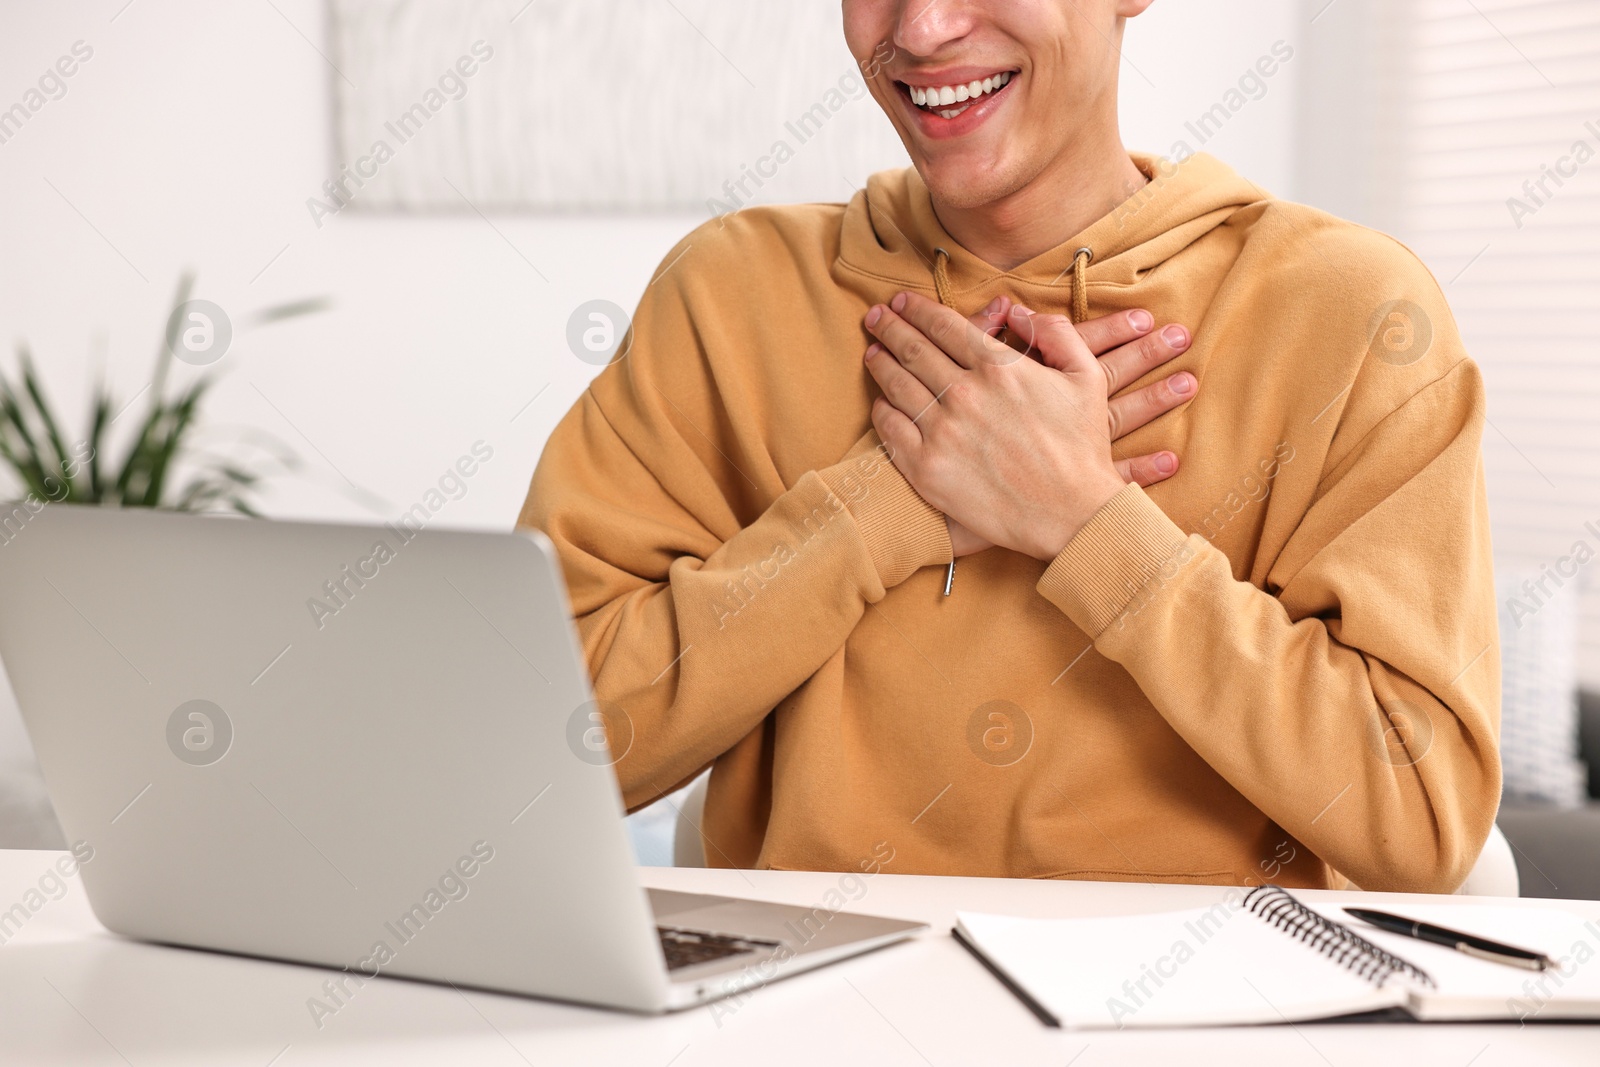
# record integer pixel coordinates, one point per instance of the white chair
(1494, 875)
(688, 849)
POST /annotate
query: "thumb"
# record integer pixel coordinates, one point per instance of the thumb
(1057, 341)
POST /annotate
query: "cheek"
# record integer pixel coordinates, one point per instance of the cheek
(1073, 62)
(866, 22)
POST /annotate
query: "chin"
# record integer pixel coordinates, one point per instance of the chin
(966, 183)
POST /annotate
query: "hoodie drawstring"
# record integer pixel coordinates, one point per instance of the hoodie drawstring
(941, 276)
(1080, 280)
(1080, 312)
(941, 286)
(1080, 283)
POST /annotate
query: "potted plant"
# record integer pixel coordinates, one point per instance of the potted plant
(162, 466)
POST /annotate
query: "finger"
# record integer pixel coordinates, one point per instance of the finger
(1132, 361)
(1148, 470)
(932, 366)
(1055, 339)
(1113, 331)
(897, 431)
(900, 387)
(1130, 412)
(992, 319)
(958, 337)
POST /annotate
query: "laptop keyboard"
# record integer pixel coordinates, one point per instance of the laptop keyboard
(685, 948)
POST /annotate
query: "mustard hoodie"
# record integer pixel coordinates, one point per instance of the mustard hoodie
(1280, 665)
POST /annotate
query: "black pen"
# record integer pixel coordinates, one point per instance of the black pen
(1471, 944)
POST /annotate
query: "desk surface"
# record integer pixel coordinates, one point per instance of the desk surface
(71, 993)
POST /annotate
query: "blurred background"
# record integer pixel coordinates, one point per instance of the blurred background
(541, 156)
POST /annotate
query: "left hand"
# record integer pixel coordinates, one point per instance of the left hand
(1016, 450)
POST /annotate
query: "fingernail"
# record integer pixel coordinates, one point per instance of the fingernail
(1141, 321)
(898, 303)
(1165, 463)
(1023, 310)
(1182, 384)
(1177, 337)
(874, 350)
(874, 315)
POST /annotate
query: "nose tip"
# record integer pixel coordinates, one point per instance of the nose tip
(924, 26)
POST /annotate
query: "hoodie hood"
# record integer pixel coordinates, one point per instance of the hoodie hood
(891, 231)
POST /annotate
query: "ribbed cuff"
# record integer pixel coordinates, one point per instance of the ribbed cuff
(1111, 563)
(903, 532)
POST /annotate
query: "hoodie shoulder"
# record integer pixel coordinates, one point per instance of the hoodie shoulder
(1360, 302)
(716, 288)
(1357, 288)
(1322, 255)
(761, 240)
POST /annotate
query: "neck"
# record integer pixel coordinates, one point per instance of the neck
(1069, 196)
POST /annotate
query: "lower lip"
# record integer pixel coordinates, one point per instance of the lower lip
(975, 115)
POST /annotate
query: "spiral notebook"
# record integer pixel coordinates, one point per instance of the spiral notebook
(1270, 958)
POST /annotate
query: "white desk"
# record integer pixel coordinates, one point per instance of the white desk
(70, 993)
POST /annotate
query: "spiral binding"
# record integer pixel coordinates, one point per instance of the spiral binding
(1338, 942)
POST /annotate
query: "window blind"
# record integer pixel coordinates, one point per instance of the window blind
(1493, 115)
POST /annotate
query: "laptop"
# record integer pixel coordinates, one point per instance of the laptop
(371, 748)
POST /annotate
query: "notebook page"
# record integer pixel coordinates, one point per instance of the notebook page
(1206, 967)
(1470, 988)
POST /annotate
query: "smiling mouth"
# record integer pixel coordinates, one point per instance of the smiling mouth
(949, 101)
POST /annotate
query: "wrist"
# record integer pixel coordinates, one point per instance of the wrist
(1083, 504)
(901, 532)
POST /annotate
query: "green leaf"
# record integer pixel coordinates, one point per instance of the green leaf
(98, 422)
(58, 464)
(292, 310)
(23, 453)
(169, 338)
(34, 447)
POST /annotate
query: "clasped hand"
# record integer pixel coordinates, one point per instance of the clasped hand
(1015, 446)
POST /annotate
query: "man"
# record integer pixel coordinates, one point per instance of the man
(1278, 664)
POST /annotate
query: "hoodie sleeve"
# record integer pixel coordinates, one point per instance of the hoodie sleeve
(1355, 698)
(695, 623)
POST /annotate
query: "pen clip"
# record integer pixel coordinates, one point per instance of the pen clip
(1530, 963)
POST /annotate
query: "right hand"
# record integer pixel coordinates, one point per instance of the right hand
(1127, 346)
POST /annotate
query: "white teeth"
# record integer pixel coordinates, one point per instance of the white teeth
(945, 95)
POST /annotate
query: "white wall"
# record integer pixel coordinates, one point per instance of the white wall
(195, 134)
(193, 138)
(1182, 57)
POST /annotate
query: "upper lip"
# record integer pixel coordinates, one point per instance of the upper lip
(934, 79)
